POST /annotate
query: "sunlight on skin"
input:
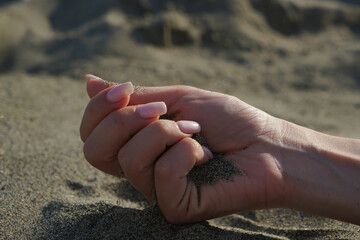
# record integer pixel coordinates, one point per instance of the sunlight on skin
(264, 148)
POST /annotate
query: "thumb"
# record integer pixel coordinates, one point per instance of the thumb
(95, 85)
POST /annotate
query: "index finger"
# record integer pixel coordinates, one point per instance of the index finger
(102, 104)
(95, 84)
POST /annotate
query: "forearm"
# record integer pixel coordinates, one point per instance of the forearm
(321, 172)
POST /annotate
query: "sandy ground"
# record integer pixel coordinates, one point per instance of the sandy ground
(297, 60)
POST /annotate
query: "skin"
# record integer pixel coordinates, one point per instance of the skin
(284, 165)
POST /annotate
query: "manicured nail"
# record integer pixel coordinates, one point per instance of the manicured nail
(90, 76)
(207, 152)
(189, 127)
(120, 91)
(152, 109)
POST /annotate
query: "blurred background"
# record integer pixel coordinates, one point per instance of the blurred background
(297, 59)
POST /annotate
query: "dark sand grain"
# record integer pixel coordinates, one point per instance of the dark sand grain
(216, 169)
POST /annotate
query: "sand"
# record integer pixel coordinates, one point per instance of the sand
(214, 170)
(298, 60)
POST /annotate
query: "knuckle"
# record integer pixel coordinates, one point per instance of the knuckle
(88, 152)
(162, 170)
(93, 156)
(122, 160)
(190, 144)
(130, 167)
(163, 127)
(191, 147)
(121, 118)
(185, 88)
(117, 119)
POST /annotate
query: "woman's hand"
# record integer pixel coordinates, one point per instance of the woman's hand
(158, 154)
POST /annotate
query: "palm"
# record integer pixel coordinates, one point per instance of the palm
(238, 130)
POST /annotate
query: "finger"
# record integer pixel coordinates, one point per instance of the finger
(168, 94)
(207, 156)
(138, 156)
(102, 104)
(104, 142)
(178, 197)
(96, 84)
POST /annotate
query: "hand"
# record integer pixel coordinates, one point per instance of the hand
(117, 136)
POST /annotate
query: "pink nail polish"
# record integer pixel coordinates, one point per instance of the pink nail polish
(152, 109)
(207, 151)
(120, 91)
(90, 76)
(189, 127)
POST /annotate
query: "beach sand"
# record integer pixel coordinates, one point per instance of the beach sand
(298, 60)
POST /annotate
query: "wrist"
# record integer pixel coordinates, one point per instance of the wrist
(320, 172)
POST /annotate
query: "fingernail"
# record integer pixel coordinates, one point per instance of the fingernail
(120, 91)
(152, 109)
(90, 76)
(189, 127)
(207, 152)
